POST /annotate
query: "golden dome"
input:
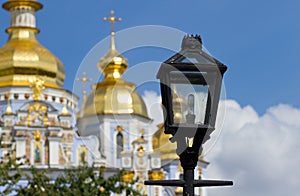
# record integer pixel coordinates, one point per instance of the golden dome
(22, 58)
(161, 143)
(114, 95)
(113, 65)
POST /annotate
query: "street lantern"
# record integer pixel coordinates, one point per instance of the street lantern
(190, 87)
(190, 84)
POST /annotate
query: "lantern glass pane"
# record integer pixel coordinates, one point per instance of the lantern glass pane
(189, 98)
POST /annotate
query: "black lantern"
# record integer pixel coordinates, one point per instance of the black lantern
(190, 88)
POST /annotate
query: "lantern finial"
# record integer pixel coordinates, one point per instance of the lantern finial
(192, 42)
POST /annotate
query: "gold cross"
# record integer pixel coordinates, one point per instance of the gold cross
(112, 19)
(84, 80)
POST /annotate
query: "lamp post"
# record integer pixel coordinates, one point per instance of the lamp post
(195, 78)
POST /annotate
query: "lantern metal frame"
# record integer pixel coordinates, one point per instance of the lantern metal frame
(191, 66)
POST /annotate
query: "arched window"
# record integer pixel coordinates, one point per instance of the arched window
(47, 152)
(120, 144)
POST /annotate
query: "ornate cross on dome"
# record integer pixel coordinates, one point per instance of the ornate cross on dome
(112, 19)
(84, 80)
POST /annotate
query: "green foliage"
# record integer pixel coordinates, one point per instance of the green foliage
(82, 180)
(10, 172)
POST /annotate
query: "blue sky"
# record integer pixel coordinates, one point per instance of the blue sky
(258, 40)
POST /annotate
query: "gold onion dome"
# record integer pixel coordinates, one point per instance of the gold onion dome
(114, 95)
(23, 58)
(161, 143)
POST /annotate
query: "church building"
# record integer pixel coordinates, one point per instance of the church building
(43, 123)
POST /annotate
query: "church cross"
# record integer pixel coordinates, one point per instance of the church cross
(112, 19)
(84, 80)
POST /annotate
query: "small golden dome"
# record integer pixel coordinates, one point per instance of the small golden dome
(22, 58)
(64, 111)
(113, 65)
(161, 143)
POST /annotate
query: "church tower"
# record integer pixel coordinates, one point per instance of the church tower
(23, 58)
(37, 113)
(113, 111)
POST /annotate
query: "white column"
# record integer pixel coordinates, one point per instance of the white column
(106, 141)
(24, 17)
(54, 151)
(21, 148)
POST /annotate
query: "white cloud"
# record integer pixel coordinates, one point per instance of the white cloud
(153, 103)
(261, 154)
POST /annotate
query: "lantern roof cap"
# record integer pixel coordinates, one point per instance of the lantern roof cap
(192, 53)
(191, 57)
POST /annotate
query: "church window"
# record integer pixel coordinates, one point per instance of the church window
(120, 144)
(47, 152)
(16, 96)
(82, 155)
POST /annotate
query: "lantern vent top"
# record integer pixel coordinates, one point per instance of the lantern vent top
(192, 42)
